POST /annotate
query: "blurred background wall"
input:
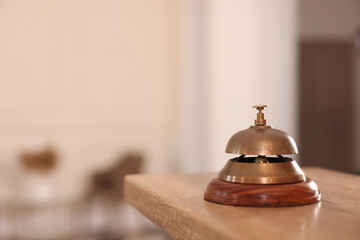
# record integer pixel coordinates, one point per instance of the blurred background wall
(171, 81)
(229, 65)
(94, 79)
(244, 39)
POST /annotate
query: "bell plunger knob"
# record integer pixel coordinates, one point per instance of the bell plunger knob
(260, 121)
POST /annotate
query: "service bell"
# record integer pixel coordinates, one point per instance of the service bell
(262, 176)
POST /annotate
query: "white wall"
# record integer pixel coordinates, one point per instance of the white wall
(193, 89)
(249, 55)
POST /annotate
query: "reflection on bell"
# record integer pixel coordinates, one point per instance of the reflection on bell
(261, 159)
(261, 176)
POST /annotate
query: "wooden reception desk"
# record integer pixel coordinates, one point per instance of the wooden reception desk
(175, 203)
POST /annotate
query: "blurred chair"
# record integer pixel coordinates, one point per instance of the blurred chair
(109, 183)
(37, 211)
(41, 161)
(105, 196)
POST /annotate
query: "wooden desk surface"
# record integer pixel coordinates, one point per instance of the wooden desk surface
(175, 202)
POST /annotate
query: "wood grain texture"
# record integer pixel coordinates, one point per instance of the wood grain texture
(176, 203)
(262, 195)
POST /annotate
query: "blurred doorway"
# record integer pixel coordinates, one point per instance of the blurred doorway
(328, 99)
(326, 104)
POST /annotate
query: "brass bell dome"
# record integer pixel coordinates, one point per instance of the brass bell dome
(261, 139)
(268, 145)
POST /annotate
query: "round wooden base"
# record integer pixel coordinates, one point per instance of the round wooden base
(262, 195)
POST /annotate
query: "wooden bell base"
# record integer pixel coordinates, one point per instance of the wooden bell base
(262, 195)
